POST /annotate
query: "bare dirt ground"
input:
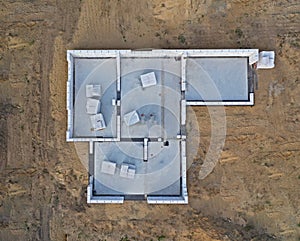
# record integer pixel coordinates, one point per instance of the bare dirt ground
(254, 191)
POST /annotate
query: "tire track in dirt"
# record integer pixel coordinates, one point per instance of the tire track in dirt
(45, 53)
(61, 23)
(45, 123)
(45, 214)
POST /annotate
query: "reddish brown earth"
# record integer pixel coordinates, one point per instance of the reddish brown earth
(254, 191)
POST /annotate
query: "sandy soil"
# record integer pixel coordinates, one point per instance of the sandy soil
(254, 191)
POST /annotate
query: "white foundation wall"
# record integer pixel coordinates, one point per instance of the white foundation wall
(182, 55)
